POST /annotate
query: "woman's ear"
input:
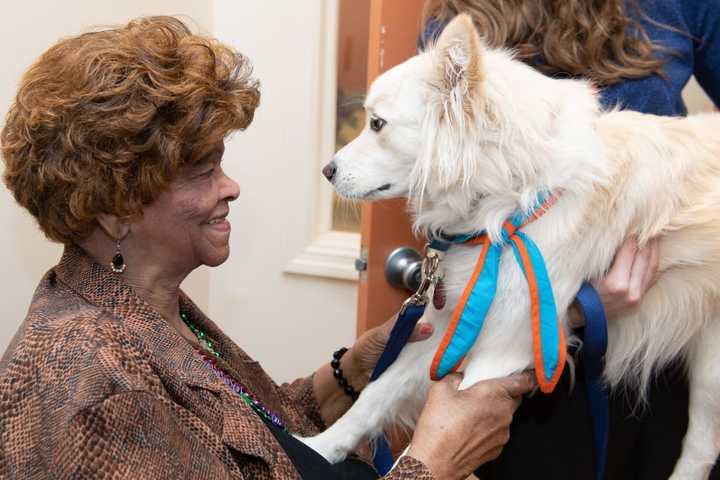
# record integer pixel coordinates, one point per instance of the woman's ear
(115, 227)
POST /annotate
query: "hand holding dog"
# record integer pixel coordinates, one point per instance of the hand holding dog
(357, 365)
(459, 430)
(633, 271)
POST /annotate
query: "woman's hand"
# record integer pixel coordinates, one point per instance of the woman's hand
(633, 271)
(357, 365)
(459, 430)
(359, 362)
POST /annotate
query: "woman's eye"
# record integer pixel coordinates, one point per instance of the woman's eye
(207, 172)
(377, 123)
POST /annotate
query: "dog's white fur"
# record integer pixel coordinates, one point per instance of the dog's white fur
(471, 137)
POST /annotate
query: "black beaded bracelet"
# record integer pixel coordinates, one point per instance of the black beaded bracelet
(338, 373)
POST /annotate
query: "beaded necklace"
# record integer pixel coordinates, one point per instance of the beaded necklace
(201, 337)
(209, 356)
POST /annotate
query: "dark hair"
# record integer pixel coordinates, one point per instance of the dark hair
(102, 122)
(592, 38)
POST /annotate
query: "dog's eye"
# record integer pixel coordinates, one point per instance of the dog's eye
(377, 123)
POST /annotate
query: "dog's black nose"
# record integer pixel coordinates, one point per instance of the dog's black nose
(329, 171)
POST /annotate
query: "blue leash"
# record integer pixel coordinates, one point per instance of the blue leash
(411, 311)
(594, 348)
(399, 336)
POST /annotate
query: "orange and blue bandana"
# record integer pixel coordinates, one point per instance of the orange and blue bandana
(469, 315)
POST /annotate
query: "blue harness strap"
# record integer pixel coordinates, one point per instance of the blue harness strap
(468, 317)
(594, 348)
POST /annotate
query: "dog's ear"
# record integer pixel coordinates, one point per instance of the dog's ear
(459, 56)
(456, 81)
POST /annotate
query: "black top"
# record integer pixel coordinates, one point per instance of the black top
(552, 434)
(312, 466)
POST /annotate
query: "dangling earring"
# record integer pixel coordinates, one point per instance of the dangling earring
(118, 262)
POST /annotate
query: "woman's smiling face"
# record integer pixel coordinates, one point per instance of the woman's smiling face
(186, 226)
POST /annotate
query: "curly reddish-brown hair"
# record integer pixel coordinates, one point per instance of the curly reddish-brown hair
(599, 39)
(102, 122)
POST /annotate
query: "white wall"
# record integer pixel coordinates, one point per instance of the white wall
(290, 323)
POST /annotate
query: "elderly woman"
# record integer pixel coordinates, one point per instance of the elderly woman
(114, 144)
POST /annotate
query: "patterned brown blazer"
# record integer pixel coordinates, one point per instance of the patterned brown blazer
(97, 385)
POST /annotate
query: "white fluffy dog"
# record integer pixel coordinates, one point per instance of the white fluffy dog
(470, 136)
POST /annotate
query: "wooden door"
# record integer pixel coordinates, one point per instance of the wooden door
(393, 33)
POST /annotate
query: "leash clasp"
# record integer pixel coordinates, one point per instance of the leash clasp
(430, 265)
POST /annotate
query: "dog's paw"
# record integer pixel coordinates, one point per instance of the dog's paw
(325, 446)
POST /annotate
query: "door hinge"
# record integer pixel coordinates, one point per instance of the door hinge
(361, 263)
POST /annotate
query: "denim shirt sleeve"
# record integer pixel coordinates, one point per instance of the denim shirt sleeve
(703, 19)
(430, 33)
